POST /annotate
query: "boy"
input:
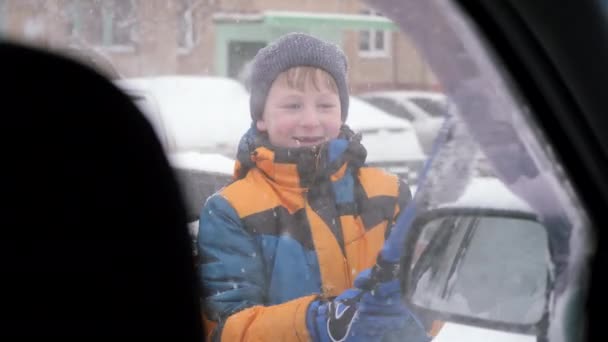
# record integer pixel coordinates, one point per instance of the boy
(281, 246)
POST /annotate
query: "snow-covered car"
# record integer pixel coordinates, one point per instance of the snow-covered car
(380, 130)
(424, 109)
(203, 114)
(488, 236)
(488, 192)
(199, 174)
(210, 114)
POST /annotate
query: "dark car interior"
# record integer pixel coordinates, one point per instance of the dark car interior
(94, 236)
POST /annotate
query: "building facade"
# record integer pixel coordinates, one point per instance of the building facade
(216, 37)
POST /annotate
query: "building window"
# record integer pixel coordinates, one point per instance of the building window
(374, 43)
(110, 24)
(187, 34)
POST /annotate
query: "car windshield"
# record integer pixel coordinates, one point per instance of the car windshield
(295, 173)
(435, 108)
(392, 107)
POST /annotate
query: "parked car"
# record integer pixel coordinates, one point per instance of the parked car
(199, 174)
(380, 130)
(210, 114)
(424, 109)
(203, 114)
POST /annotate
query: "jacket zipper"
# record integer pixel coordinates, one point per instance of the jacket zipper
(337, 234)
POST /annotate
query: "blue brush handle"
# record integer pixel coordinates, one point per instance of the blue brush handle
(393, 246)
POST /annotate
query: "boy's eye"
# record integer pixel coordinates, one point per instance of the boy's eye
(292, 106)
(327, 105)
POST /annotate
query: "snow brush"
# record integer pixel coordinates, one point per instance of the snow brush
(443, 179)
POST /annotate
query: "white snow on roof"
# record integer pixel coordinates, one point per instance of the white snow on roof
(200, 112)
(210, 162)
(489, 193)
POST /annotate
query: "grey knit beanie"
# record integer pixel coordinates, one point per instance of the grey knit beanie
(291, 50)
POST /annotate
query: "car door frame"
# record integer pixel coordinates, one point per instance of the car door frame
(559, 67)
(555, 59)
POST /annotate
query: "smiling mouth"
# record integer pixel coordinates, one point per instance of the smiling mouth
(309, 140)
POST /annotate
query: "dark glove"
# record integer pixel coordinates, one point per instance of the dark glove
(331, 320)
(372, 311)
(382, 315)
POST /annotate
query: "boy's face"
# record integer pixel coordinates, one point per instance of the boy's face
(306, 117)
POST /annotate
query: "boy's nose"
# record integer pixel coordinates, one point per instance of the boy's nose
(310, 117)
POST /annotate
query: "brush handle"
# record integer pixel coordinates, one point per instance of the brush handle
(393, 246)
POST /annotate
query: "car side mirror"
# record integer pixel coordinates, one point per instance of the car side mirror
(483, 267)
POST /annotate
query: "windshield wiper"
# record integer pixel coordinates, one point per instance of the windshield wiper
(462, 250)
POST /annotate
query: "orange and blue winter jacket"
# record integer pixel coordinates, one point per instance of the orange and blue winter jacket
(295, 225)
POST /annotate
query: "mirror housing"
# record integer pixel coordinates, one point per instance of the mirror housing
(483, 267)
